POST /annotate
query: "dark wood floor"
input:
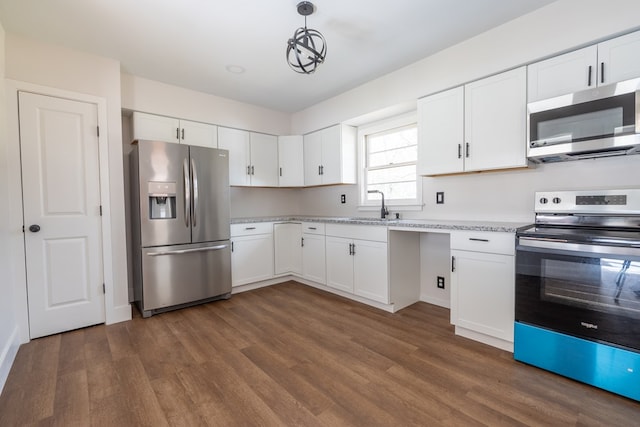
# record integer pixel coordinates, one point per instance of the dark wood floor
(291, 355)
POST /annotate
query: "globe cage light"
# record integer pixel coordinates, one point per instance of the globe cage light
(307, 48)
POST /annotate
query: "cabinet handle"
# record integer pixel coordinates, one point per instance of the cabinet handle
(249, 170)
(453, 263)
(353, 249)
(249, 228)
(302, 242)
(321, 170)
(182, 134)
(459, 151)
(602, 72)
(178, 133)
(589, 77)
(231, 246)
(312, 228)
(252, 171)
(478, 240)
(467, 150)
(280, 171)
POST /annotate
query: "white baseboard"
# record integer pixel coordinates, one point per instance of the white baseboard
(8, 355)
(435, 301)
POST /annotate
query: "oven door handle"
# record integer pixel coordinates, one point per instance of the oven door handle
(564, 245)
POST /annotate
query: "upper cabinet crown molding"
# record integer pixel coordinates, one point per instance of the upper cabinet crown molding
(604, 63)
(169, 129)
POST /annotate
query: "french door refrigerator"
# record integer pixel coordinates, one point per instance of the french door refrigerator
(181, 251)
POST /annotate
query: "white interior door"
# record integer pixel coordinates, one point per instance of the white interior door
(61, 197)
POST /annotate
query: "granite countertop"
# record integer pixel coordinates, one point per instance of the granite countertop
(396, 224)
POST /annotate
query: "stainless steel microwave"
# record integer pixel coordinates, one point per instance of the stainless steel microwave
(599, 122)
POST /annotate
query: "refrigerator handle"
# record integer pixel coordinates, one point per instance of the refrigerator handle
(194, 174)
(187, 192)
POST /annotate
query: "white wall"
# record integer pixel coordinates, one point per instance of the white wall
(559, 27)
(8, 323)
(150, 96)
(55, 68)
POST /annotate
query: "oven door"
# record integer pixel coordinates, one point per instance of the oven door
(584, 290)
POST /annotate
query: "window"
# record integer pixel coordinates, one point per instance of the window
(389, 153)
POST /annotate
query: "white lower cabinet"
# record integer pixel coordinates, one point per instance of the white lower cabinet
(313, 252)
(287, 238)
(251, 253)
(356, 265)
(483, 283)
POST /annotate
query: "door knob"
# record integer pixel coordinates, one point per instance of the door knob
(34, 228)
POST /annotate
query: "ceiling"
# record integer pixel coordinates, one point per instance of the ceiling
(192, 43)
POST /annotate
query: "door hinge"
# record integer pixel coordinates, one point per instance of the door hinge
(104, 290)
(100, 210)
(98, 130)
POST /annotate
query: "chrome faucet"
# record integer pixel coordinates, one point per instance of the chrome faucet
(384, 211)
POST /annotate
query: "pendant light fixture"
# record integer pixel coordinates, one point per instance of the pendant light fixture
(307, 48)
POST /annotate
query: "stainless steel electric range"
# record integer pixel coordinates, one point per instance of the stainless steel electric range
(578, 288)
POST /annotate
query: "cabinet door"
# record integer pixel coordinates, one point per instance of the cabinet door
(290, 161)
(441, 133)
(312, 145)
(339, 264)
(495, 121)
(482, 293)
(331, 155)
(251, 258)
(155, 128)
(370, 270)
(264, 160)
(237, 142)
(200, 134)
(563, 74)
(619, 59)
(287, 248)
(313, 258)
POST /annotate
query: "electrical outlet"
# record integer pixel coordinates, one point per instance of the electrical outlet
(440, 282)
(440, 197)
(343, 198)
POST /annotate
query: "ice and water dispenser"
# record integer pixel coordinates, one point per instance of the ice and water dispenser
(162, 200)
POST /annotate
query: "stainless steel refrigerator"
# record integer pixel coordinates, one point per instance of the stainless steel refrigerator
(180, 225)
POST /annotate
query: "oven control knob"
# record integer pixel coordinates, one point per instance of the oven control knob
(556, 200)
(544, 200)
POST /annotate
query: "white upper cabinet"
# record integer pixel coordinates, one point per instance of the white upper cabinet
(169, 129)
(441, 132)
(290, 161)
(608, 62)
(200, 134)
(238, 143)
(330, 156)
(263, 159)
(495, 122)
(480, 126)
(253, 157)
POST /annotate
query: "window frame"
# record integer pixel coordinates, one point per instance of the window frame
(380, 126)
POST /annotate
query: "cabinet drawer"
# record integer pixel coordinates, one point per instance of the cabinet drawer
(484, 241)
(313, 227)
(251, 228)
(361, 232)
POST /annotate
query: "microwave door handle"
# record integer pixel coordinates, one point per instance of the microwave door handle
(187, 192)
(194, 174)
